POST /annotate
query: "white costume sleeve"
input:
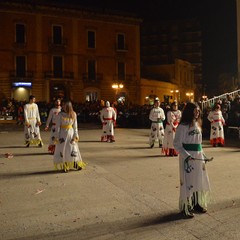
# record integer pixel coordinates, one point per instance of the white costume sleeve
(75, 128)
(210, 116)
(151, 115)
(179, 140)
(37, 114)
(162, 115)
(49, 119)
(56, 134)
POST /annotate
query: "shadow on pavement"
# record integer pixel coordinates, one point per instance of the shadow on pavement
(24, 174)
(14, 147)
(163, 219)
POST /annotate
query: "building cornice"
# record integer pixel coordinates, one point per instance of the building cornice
(67, 11)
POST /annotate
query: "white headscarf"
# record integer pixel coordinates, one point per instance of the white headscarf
(107, 104)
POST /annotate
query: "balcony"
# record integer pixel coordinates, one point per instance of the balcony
(59, 75)
(24, 76)
(127, 78)
(57, 46)
(121, 48)
(17, 45)
(92, 81)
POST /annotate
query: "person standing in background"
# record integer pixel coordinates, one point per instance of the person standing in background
(32, 123)
(108, 118)
(217, 122)
(157, 116)
(53, 113)
(173, 119)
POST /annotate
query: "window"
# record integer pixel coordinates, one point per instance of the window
(57, 66)
(121, 70)
(91, 39)
(20, 33)
(91, 70)
(120, 41)
(57, 34)
(20, 66)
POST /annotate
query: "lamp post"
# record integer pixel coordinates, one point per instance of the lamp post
(176, 95)
(190, 96)
(204, 98)
(117, 86)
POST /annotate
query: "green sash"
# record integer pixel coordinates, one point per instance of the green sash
(192, 147)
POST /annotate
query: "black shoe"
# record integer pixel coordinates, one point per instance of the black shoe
(151, 146)
(160, 145)
(40, 144)
(199, 209)
(27, 144)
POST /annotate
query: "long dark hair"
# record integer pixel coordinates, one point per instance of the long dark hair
(188, 115)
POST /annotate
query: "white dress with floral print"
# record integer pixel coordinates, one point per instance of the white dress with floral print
(194, 182)
(67, 151)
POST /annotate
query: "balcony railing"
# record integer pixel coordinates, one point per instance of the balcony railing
(57, 46)
(19, 45)
(92, 80)
(119, 48)
(123, 78)
(23, 76)
(61, 75)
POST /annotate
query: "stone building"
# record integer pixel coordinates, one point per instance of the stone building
(56, 50)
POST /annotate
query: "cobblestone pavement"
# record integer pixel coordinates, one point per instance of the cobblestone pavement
(127, 191)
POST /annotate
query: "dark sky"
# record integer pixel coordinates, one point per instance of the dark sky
(218, 18)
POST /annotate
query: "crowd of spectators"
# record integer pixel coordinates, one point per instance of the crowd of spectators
(129, 116)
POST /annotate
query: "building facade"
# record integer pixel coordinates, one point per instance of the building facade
(169, 82)
(163, 42)
(55, 51)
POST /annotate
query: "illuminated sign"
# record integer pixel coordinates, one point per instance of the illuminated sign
(22, 84)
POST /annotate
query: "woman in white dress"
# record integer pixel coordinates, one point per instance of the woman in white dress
(194, 182)
(67, 154)
(53, 113)
(173, 119)
(217, 122)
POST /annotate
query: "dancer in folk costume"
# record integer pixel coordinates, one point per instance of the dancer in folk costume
(194, 182)
(157, 116)
(52, 120)
(217, 122)
(108, 118)
(173, 119)
(67, 154)
(32, 123)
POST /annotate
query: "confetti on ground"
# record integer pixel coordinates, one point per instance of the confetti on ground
(39, 191)
(8, 155)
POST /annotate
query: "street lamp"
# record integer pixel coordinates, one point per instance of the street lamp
(117, 86)
(190, 96)
(176, 94)
(204, 98)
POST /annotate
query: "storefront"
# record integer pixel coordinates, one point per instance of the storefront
(21, 90)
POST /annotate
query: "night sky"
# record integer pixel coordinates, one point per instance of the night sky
(218, 18)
